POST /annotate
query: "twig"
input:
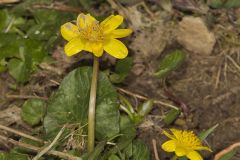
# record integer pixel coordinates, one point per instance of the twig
(178, 101)
(21, 134)
(146, 98)
(155, 149)
(121, 10)
(50, 68)
(222, 97)
(37, 149)
(147, 9)
(9, 25)
(8, 1)
(116, 6)
(57, 6)
(55, 82)
(226, 150)
(233, 62)
(48, 148)
(25, 97)
(218, 77)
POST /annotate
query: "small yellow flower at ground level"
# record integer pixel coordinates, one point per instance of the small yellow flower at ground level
(90, 35)
(184, 143)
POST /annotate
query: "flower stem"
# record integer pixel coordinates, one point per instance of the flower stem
(92, 105)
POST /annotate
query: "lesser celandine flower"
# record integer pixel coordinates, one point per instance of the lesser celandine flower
(184, 143)
(90, 35)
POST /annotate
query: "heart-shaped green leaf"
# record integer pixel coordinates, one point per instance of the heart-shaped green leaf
(114, 157)
(70, 104)
(123, 66)
(224, 3)
(33, 111)
(124, 142)
(140, 151)
(19, 69)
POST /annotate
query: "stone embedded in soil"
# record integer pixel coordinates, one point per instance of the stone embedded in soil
(194, 35)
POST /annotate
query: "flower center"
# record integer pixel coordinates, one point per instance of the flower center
(188, 140)
(92, 32)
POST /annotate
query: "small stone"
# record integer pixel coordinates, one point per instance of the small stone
(193, 34)
(180, 122)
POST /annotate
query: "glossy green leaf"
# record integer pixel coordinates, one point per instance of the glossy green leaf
(145, 108)
(33, 111)
(13, 156)
(128, 129)
(97, 151)
(171, 116)
(8, 22)
(114, 157)
(9, 45)
(3, 156)
(25, 54)
(203, 135)
(126, 106)
(4, 20)
(3, 65)
(122, 69)
(224, 3)
(170, 63)
(19, 69)
(10, 50)
(140, 151)
(37, 52)
(128, 133)
(2, 68)
(124, 65)
(70, 104)
(27, 141)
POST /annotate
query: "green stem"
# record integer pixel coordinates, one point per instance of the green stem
(92, 105)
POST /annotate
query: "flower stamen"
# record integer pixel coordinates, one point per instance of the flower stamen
(184, 143)
(92, 32)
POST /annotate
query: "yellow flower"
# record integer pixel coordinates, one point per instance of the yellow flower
(90, 35)
(184, 143)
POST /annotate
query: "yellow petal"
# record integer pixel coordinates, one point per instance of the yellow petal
(120, 33)
(180, 151)
(84, 20)
(169, 146)
(69, 31)
(176, 133)
(194, 156)
(97, 49)
(111, 23)
(115, 48)
(88, 47)
(202, 148)
(168, 135)
(74, 46)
